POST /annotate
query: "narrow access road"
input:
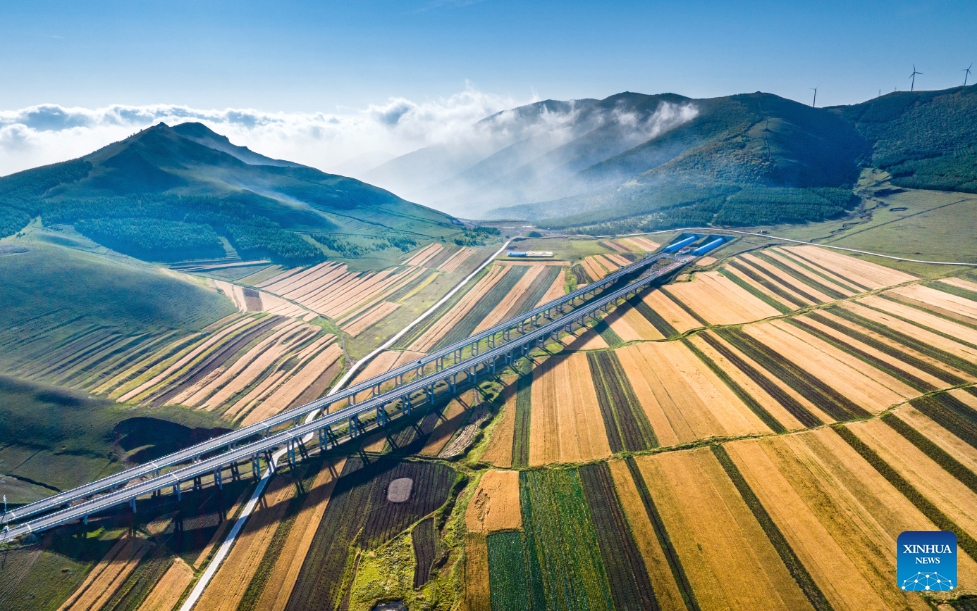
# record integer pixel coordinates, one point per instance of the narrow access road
(225, 547)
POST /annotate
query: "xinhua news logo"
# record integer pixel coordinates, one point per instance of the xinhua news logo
(927, 561)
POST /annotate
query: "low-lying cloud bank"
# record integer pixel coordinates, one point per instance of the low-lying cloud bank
(349, 143)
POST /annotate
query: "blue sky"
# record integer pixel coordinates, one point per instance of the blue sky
(316, 81)
(295, 55)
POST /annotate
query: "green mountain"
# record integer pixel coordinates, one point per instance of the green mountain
(185, 192)
(641, 162)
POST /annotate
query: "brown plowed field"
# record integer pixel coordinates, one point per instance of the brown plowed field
(296, 385)
(108, 575)
(726, 555)
(566, 424)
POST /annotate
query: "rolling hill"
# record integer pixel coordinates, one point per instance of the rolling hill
(185, 192)
(657, 161)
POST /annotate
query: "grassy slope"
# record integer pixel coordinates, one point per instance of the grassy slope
(69, 438)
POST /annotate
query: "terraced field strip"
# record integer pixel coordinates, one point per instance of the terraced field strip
(720, 301)
(730, 562)
(383, 362)
(347, 301)
(893, 366)
(924, 432)
(168, 590)
(831, 517)
(804, 580)
(631, 325)
(963, 333)
(764, 290)
(477, 584)
(628, 580)
(565, 567)
(230, 583)
(424, 254)
(921, 361)
(595, 271)
(682, 397)
(370, 318)
(833, 287)
(615, 246)
(661, 562)
(556, 289)
(495, 504)
(281, 579)
(953, 411)
(455, 260)
(625, 421)
(865, 273)
(502, 309)
(832, 404)
(108, 575)
(359, 516)
(618, 259)
(953, 353)
(773, 273)
(642, 243)
(932, 301)
(566, 423)
(308, 370)
(795, 276)
(723, 374)
(953, 500)
(668, 312)
(863, 384)
(245, 370)
(468, 323)
(824, 274)
(444, 324)
(500, 445)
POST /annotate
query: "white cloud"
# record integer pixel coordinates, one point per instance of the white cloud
(49, 133)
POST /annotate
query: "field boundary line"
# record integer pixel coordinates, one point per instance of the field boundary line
(225, 547)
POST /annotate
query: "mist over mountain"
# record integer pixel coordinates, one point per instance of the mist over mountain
(667, 160)
(172, 193)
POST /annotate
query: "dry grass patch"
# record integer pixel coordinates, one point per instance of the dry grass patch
(495, 503)
(170, 588)
(566, 424)
(728, 559)
(477, 589)
(719, 300)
